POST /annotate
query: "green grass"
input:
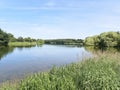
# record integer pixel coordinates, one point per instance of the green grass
(20, 44)
(101, 72)
(9, 85)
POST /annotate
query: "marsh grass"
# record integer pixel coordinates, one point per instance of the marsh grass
(21, 44)
(101, 72)
(9, 85)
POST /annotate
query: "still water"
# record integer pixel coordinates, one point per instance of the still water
(19, 61)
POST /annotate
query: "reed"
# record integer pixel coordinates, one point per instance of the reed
(101, 72)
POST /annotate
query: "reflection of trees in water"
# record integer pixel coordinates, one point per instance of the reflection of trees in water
(20, 48)
(66, 46)
(102, 49)
(39, 45)
(5, 50)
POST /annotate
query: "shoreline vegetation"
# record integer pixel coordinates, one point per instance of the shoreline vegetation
(8, 39)
(97, 73)
(101, 72)
(106, 39)
(64, 42)
(20, 44)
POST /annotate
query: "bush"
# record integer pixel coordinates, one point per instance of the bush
(98, 75)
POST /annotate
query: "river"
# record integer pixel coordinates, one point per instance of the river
(16, 62)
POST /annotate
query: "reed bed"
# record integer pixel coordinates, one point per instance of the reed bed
(101, 72)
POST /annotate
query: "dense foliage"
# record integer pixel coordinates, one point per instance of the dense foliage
(4, 38)
(65, 41)
(9, 39)
(104, 39)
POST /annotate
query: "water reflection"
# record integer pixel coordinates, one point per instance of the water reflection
(66, 46)
(26, 60)
(39, 45)
(102, 49)
(23, 47)
(5, 50)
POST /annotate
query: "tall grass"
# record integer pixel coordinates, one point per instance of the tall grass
(9, 85)
(20, 44)
(98, 73)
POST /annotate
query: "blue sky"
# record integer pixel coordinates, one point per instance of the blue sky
(59, 18)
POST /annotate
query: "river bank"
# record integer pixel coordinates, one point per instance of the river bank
(100, 72)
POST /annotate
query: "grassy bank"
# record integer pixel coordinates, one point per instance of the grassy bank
(21, 44)
(101, 72)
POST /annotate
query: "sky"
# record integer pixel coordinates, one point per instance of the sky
(53, 19)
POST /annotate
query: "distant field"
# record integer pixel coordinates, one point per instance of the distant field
(19, 44)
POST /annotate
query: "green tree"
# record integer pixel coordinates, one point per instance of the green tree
(20, 39)
(106, 39)
(28, 39)
(118, 39)
(4, 39)
(89, 41)
(11, 37)
(110, 38)
(40, 41)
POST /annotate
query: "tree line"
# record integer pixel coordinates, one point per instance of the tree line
(5, 38)
(65, 41)
(106, 39)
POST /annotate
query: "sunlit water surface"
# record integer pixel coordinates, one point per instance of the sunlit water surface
(18, 62)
